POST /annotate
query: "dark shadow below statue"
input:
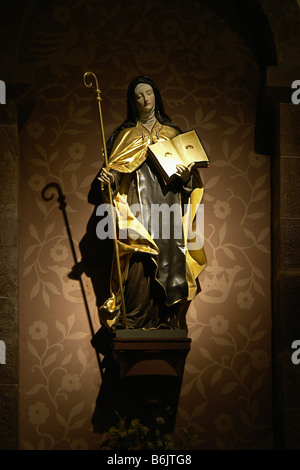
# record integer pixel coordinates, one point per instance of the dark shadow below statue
(142, 376)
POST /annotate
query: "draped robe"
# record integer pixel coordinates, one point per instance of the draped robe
(159, 274)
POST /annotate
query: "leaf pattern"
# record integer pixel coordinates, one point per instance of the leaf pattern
(208, 79)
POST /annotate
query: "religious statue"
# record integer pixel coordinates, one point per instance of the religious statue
(159, 272)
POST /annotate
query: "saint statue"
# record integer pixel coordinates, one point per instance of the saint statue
(159, 272)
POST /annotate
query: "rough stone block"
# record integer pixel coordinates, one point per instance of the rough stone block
(9, 165)
(291, 426)
(290, 186)
(9, 272)
(290, 242)
(289, 129)
(287, 382)
(9, 226)
(8, 417)
(8, 113)
(9, 334)
(289, 321)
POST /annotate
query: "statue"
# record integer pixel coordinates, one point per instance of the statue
(158, 273)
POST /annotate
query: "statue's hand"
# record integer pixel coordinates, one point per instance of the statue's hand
(184, 172)
(105, 176)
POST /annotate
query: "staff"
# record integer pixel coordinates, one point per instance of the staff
(116, 246)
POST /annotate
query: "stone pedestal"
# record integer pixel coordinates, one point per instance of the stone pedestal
(143, 378)
(150, 352)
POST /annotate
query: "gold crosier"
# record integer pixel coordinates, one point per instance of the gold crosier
(88, 79)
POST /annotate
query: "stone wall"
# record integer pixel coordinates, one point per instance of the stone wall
(286, 264)
(12, 113)
(284, 21)
(9, 171)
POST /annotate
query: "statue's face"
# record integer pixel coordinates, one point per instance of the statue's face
(144, 97)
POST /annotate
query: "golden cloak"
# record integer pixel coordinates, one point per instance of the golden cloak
(129, 152)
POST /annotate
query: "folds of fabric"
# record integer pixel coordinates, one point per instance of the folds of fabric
(128, 157)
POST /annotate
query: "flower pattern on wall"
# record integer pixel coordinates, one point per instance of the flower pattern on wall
(208, 79)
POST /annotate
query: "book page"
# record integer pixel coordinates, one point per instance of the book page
(189, 148)
(167, 156)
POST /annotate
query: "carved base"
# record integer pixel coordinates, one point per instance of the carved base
(143, 377)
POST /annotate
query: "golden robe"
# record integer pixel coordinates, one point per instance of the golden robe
(172, 265)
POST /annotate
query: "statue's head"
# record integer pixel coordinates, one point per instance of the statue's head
(134, 106)
(144, 98)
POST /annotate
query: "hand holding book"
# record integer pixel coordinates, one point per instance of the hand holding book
(184, 172)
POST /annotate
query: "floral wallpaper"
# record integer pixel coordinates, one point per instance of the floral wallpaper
(209, 79)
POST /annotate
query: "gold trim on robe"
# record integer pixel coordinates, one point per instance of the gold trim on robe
(130, 148)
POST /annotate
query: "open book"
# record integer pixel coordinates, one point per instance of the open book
(183, 149)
